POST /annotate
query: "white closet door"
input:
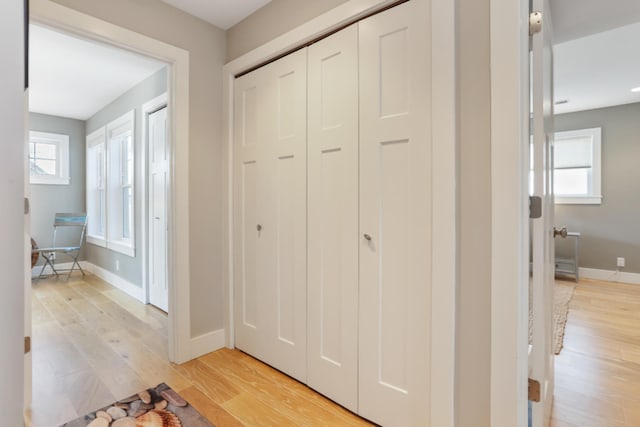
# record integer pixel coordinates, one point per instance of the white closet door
(395, 194)
(284, 303)
(333, 217)
(270, 213)
(249, 243)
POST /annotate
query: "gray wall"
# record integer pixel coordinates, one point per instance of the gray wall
(473, 315)
(47, 199)
(611, 229)
(206, 46)
(272, 20)
(130, 267)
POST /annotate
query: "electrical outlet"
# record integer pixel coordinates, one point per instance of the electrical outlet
(117, 265)
(620, 261)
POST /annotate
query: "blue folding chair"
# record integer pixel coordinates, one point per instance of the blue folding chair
(70, 222)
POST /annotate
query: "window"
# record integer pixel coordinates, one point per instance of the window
(110, 185)
(576, 172)
(96, 187)
(48, 158)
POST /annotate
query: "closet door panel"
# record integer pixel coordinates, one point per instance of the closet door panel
(284, 304)
(395, 221)
(333, 217)
(249, 165)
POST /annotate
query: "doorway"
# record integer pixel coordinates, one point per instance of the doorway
(56, 16)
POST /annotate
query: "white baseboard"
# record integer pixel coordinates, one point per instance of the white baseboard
(124, 285)
(206, 343)
(610, 275)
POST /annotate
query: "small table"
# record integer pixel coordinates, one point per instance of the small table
(570, 265)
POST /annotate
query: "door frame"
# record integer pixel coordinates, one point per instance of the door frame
(148, 108)
(443, 134)
(510, 212)
(57, 16)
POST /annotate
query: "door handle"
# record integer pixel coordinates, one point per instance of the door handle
(259, 227)
(367, 237)
(562, 232)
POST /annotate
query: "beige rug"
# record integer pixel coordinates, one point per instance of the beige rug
(562, 295)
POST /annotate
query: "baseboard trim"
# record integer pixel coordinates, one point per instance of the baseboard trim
(206, 343)
(610, 275)
(118, 282)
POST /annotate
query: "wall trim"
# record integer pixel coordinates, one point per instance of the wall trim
(64, 18)
(207, 343)
(509, 51)
(610, 275)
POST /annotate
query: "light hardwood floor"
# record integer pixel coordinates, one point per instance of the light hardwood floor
(598, 371)
(93, 344)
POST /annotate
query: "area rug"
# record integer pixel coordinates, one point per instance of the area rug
(563, 292)
(155, 407)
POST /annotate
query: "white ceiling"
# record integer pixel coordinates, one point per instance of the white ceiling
(75, 78)
(597, 53)
(221, 13)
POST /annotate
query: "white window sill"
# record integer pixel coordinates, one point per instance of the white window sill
(36, 180)
(98, 241)
(578, 200)
(122, 247)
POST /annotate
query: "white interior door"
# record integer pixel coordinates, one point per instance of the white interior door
(270, 224)
(542, 357)
(395, 218)
(158, 175)
(333, 217)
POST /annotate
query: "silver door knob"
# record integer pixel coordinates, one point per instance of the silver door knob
(259, 227)
(367, 237)
(562, 232)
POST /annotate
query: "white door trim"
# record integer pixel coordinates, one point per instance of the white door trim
(64, 18)
(510, 224)
(147, 108)
(442, 111)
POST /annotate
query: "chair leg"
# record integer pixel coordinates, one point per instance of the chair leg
(47, 261)
(73, 265)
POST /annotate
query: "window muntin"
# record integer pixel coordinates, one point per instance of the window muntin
(48, 158)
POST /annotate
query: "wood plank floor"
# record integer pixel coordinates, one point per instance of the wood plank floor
(598, 371)
(93, 344)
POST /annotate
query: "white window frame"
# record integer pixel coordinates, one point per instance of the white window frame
(595, 197)
(122, 126)
(61, 143)
(110, 137)
(97, 183)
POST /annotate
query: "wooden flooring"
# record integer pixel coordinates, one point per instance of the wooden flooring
(598, 371)
(93, 344)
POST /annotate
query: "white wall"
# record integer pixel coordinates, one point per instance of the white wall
(12, 161)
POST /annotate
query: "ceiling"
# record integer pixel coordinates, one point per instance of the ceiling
(596, 53)
(75, 78)
(221, 13)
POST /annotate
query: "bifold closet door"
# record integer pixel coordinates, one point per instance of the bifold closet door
(270, 214)
(395, 196)
(333, 217)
